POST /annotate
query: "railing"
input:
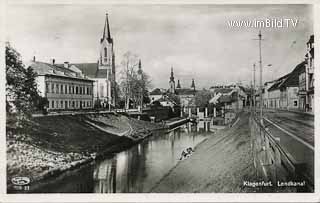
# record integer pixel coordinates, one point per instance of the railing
(271, 161)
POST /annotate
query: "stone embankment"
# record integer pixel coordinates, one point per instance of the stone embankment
(51, 145)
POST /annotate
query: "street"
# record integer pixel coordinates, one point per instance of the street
(296, 134)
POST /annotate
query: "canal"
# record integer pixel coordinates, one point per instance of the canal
(137, 169)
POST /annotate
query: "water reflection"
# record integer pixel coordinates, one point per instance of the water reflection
(141, 167)
(135, 170)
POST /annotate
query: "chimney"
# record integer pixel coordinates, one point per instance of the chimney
(53, 61)
(66, 64)
(34, 58)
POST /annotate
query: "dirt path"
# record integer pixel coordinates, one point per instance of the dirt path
(220, 164)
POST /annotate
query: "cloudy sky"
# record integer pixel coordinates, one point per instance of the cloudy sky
(195, 39)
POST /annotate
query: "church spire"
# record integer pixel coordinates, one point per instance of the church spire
(178, 85)
(106, 30)
(171, 77)
(139, 67)
(172, 83)
(193, 85)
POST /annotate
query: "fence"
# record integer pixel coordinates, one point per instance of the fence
(271, 161)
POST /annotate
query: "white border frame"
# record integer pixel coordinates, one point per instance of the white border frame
(159, 197)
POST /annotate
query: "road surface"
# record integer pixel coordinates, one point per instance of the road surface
(296, 133)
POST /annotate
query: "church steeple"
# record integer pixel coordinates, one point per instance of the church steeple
(178, 85)
(193, 86)
(106, 48)
(171, 82)
(139, 67)
(106, 30)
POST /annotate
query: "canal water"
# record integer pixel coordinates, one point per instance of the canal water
(137, 169)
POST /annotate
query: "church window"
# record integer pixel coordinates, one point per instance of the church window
(105, 52)
(47, 87)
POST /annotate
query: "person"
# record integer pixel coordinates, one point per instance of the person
(186, 153)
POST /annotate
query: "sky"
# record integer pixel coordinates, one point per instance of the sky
(195, 40)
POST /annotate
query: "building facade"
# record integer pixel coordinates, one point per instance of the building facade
(306, 79)
(64, 88)
(310, 74)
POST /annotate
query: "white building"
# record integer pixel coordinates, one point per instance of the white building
(64, 88)
(102, 72)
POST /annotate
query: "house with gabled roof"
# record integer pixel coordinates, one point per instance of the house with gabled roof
(283, 92)
(64, 88)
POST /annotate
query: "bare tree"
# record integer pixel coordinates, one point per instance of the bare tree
(131, 86)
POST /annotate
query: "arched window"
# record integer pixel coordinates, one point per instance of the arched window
(105, 52)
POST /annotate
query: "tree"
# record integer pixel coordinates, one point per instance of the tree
(203, 97)
(131, 85)
(22, 96)
(174, 98)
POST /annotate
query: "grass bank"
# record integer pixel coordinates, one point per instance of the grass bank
(50, 145)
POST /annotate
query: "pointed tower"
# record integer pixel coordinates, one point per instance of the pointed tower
(171, 82)
(105, 73)
(193, 86)
(140, 69)
(178, 85)
(106, 48)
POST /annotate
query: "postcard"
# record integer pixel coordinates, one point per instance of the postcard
(161, 101)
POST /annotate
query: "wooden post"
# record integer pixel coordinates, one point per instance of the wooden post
(206, 112)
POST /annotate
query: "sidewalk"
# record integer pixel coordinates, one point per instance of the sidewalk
(220, 164)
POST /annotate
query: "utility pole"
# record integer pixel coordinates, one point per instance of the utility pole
(260, 63)
(254, 88)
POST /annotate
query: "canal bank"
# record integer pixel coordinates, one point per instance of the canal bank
(135, 169)
(220, 164)
(52, 145)
(49, 146)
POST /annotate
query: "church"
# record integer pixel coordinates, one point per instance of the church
(186, 95)
(103, 71)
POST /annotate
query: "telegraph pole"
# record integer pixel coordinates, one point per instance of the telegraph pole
(254, 88)
(260, 63)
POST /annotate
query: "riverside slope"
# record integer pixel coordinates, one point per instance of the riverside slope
(220, 164)
(51, 145)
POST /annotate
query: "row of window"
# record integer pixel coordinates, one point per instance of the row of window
(68, 104)
(68, 89)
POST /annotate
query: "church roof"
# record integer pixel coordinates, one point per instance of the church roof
(101, 73)
(185, 91)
